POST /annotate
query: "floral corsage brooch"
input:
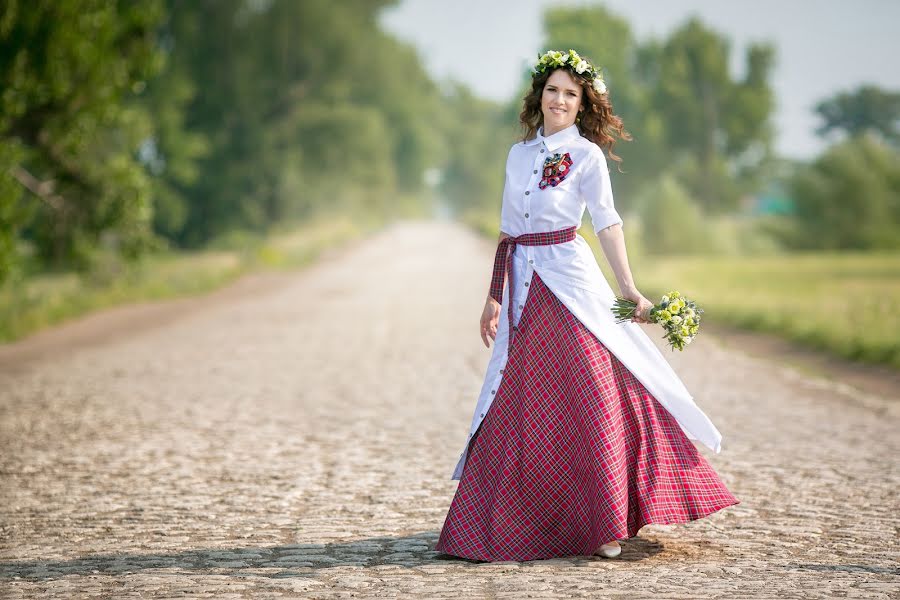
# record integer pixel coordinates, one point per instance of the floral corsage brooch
(556, 168)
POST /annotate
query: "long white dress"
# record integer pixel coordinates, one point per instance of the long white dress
(571, 271)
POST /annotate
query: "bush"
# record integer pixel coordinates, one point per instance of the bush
(849, 198)
(671, 221)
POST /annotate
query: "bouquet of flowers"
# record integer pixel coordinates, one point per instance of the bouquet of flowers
(679, 316)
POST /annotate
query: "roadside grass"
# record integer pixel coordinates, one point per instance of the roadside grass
(39, 301)
(846, 303)
(842, 302)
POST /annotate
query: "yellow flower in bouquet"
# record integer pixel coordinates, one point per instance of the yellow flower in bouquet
(679, 317)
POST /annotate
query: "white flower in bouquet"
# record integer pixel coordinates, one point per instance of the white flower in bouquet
(679, 316)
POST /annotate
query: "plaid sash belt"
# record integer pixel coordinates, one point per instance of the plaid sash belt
(503, 260)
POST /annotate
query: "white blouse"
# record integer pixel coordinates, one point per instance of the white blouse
(530, 205)
(527, 208)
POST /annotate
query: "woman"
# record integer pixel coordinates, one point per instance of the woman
(582, 431)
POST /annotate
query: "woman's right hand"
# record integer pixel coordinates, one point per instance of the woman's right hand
(490, 318)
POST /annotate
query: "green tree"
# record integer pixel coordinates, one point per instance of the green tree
(69, 127)
(479, 136)
(306, 106)
(868, 108)
(172, 153)
(711, 116)
(849, 197)
(671, 222)
(685, 111)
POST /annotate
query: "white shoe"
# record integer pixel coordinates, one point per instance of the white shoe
(610, 550)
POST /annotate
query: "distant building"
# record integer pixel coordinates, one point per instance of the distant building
(771, 201)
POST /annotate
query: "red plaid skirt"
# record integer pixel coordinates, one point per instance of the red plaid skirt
(573, 453)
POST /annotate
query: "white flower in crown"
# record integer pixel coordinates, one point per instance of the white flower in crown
(581, 66)
(599, 85)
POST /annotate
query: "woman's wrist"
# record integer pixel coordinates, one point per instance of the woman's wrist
(629, 291)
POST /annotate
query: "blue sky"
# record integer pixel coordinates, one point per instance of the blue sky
(823, 46)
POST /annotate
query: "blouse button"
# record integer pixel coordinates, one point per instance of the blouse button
(542, 149)
(526, 193)
(535, 171)
(530, 262)
(526, 284)
(526, 215)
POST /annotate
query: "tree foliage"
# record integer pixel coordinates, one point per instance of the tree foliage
(723, 123)
(680, 103)
(849, 197)
(306, 106)
(69, 177)
(868, 108)
(127, 125)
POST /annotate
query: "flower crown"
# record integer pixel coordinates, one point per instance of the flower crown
(553, 59)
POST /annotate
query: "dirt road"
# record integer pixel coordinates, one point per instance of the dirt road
(297, 441)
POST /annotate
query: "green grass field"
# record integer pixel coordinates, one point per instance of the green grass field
(847, 303)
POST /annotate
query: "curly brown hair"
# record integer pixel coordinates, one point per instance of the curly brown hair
(596, 121)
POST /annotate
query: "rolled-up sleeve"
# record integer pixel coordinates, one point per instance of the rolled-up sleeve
(596, 191)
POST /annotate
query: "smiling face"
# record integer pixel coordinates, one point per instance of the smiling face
(560, 101)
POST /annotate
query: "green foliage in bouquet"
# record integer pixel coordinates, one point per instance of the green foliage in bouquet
(679, 316)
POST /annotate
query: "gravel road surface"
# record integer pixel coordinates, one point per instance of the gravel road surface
(296, 441)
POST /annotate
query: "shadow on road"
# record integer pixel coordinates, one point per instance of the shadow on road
(410, 551)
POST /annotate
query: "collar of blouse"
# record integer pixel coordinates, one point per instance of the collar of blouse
(557, 139)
